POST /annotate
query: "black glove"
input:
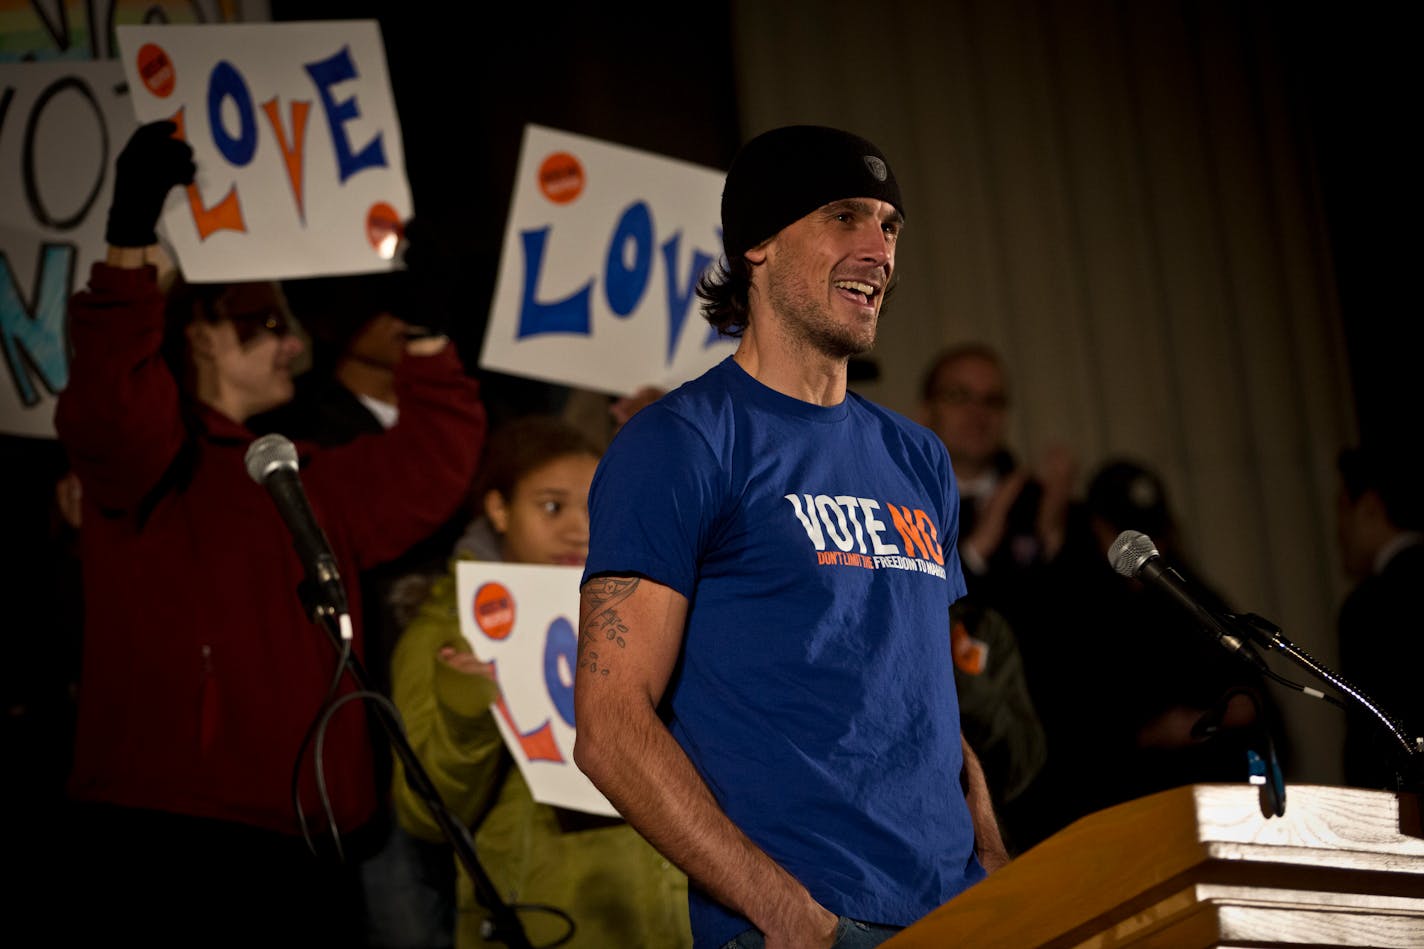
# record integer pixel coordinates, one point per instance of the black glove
(414, 258)
(424, 306)
(150, 165)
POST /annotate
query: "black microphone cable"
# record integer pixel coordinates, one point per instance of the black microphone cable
(1263, 770)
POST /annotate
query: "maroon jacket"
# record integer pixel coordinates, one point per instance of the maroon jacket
(201, 670)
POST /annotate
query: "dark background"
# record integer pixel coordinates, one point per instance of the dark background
(1356, 76)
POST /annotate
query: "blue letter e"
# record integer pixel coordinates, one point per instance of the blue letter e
(326, 74)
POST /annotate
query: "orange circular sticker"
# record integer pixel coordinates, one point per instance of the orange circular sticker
(383, 229)
(156, 70)
(561, 178)
(494, 610)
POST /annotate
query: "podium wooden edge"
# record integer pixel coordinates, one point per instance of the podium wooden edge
(1128, 860)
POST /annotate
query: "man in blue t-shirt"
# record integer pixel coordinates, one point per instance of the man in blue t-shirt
(765, 687)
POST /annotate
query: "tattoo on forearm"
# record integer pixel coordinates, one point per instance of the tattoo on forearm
(603, 625)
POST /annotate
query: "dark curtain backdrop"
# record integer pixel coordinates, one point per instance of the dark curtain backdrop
(1178, 223)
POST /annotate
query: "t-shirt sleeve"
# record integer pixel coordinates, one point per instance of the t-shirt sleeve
(654, 501)
(952, 568)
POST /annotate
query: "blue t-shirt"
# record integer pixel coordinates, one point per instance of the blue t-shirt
(815, 695)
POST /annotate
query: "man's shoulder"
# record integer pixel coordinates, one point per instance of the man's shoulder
(913, 435)
(693, 407)
(888, 416)
(711, 388)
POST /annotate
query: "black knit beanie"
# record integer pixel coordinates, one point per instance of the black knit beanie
(782, 175)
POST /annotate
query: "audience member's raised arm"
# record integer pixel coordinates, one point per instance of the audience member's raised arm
(119, 414)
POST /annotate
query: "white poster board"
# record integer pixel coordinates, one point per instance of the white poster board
(301, 167)
(598, 271)
(523, 618)
(62, 124)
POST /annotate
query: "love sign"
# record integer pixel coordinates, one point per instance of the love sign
(523, 618)
(301, 169)
(599, 268)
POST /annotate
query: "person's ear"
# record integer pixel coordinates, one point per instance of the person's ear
(200, 338)
(497, 511)
(757, 255)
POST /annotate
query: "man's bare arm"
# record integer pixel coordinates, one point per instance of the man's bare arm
(988, 843)
(630, 633)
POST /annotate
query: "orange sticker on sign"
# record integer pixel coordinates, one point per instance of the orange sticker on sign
(561, 178)
(494, 610)
(156, 70)
(383, 229)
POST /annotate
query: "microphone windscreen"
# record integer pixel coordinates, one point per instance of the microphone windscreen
(1130, 551)
(267, 454)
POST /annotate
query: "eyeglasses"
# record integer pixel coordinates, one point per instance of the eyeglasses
(958, 397)
(248, 325)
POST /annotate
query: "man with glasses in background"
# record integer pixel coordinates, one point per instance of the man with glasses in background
(1010, 519)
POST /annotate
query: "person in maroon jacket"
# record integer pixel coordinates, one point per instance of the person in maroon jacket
(202, 671)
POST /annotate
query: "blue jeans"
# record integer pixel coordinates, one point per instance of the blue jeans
(850, 934)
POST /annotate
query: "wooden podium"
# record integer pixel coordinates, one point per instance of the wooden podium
(1200, 866)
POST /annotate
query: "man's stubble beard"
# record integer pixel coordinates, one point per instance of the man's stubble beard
(808, 321)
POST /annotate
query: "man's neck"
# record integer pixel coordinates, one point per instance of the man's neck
(368, 379)
(777, 363)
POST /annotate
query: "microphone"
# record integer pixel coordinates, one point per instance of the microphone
(1134, 555)
(272, 462)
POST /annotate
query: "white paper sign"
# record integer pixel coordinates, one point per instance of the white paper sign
(599, 267)
(301, 168)
(61, 125)
(524, 619)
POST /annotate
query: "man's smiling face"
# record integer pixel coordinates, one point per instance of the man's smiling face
(826, 273)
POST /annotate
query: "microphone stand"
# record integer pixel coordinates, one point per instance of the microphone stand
(1408, 760)
(504, 925)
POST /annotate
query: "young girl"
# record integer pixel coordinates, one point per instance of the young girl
(533, 496)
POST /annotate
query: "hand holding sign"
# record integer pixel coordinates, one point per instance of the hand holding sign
(517, 619)
(150, 165)
(465, 662)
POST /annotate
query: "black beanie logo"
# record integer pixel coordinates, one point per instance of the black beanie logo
(786, 173)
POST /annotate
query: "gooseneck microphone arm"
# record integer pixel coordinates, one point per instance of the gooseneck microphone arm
(1134, 555)
(1270, 633)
